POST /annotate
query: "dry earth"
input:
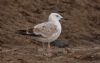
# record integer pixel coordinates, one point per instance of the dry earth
(81, 31)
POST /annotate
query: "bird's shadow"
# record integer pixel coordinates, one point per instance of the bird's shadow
(59, 43)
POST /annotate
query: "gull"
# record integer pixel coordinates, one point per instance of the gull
(47, 32)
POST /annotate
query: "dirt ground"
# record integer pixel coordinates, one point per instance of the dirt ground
(80, 23)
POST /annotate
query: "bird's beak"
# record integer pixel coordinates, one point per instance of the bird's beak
(61, 17)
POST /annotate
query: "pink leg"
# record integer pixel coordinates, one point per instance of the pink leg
(49, 48)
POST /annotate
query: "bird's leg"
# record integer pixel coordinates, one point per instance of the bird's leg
(42, 50)
(47, 52)
(49, 48)
(43, 45)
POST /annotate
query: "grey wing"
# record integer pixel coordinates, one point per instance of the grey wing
(45, 29)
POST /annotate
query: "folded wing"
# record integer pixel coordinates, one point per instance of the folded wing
(45, 29)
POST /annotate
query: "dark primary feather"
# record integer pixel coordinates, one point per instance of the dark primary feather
(24, 32)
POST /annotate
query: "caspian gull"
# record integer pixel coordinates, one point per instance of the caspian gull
(47, 31)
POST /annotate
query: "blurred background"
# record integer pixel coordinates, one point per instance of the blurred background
(80, 29)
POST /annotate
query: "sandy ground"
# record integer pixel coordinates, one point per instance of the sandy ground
(81, 31)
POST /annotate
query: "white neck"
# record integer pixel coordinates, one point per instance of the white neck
(53, 20)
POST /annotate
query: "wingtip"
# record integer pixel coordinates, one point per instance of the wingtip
(22, 32)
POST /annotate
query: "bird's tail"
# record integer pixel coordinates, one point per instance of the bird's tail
(25, 32)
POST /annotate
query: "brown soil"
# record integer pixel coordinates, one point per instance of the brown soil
(81, 29)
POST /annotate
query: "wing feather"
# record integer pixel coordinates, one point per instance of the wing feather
(45, 29)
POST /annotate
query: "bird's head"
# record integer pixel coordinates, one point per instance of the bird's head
(55, 17)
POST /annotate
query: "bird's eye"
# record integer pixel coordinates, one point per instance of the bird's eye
(57, 16)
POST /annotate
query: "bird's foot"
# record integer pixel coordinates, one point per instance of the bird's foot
(45, 52)
(48, 54)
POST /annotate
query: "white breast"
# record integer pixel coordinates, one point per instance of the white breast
(56, 35)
